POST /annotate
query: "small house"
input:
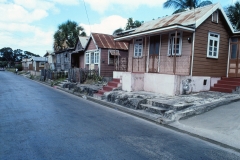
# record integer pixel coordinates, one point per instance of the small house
(184, 52)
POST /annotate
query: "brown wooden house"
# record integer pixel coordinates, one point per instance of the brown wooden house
(104, 54)
(187, 51)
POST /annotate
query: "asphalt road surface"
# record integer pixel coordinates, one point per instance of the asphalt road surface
(40, 122)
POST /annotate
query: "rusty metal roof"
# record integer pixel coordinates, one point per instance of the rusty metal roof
(107, 41)
(187, 18)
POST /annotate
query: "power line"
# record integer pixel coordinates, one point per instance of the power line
(87, 15)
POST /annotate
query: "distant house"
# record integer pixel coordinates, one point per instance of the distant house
(51, 60)
(63, 59)
(27, 64)
(104, 54)
(38, 63)
(77, 56)
(191, 46)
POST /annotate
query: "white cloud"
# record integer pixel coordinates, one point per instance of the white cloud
(16, 13)
(103, 5)
(25, 37)
(107, 25)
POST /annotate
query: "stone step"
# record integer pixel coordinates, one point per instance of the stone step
(153, 109)
(101, 92)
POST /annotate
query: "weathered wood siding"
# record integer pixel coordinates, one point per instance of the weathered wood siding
(91, 45)
(107, 69)
(81, 60)
(137, 64)
(203, 66)
(166, 63)
(183, 62)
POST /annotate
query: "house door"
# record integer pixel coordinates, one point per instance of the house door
(234, 62)
(154, 53)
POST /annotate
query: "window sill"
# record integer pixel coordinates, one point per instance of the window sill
(138, 57)
(174, 55)
(212, 57)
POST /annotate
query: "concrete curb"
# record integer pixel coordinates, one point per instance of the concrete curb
(158, 120)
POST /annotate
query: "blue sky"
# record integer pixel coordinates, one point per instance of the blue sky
(30, 24)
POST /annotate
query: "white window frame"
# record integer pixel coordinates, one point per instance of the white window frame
(96, 57)
(138, 44)
(215, 12)
(171, 42)
(212, 37)
(87, 58)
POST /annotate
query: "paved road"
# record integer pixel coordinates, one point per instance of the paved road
(221, 124)
(39, 122)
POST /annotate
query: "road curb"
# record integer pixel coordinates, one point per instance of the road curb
(158, 121)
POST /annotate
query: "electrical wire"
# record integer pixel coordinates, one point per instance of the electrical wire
(87, 16)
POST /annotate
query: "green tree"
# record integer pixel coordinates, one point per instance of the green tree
(183, 5)
(67, 35)
(132, 24)
(233, 13)
(119, 30)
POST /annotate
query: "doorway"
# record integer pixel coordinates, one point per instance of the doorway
(234, 62)
(154, 53)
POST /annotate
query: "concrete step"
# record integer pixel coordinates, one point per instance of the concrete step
(220, 89)
(153, 109)
(108, 88)
(231, 79)
(114, 84)
(116, 80)
(230, 86)
(101, 92)
(229, 82)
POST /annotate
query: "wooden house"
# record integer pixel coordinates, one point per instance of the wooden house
(77, 57)
(104, 54)
(63, 59)
(188, 51)
(51, 60)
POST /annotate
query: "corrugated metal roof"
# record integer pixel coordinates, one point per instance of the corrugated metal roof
(107, 41)
(40, 59)
(186, 18)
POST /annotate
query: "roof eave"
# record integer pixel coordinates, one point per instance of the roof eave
(168, 28)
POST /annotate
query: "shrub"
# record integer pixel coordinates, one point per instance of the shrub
(19, 67)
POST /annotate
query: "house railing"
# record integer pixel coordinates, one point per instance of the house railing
(121, 64)
(179, 65)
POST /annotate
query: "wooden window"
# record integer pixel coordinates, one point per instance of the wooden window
(154, 45)
(87, 58)
(172, 46)
(96, 57)
(138, 47)
(92, 57)
(111, 54)
(215, 16)
(213, 45)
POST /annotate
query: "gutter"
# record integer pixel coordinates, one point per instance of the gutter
(155, 31)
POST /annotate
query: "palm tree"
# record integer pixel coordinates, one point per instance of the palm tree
(233, 13)
(67, 35)
(183, 5)
(133, 24)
